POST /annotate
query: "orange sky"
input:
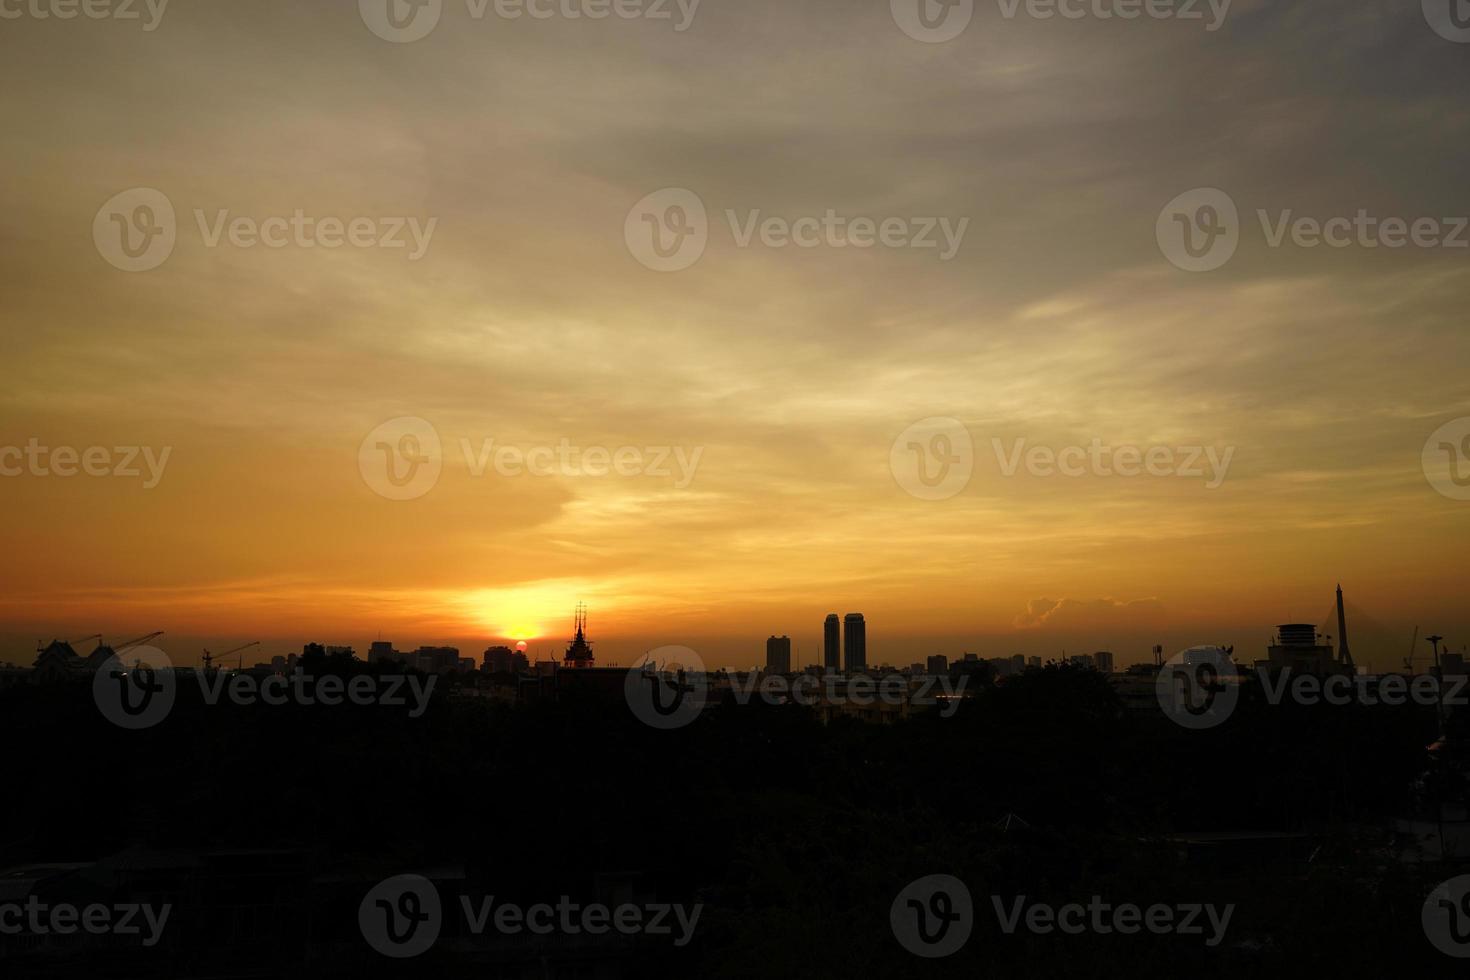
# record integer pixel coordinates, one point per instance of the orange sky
(790, 373)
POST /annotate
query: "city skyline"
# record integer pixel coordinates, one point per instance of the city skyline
(767, 395)
(1385, 648)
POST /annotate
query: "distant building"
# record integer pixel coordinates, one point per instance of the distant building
(854, 643)
(832, 643)
(939, 664)
(778, 655)
(436, 660)
(1083, 660)
(1300, 649)
(1034, 663)
(58, 662)
(1018, 663)
(381, 651)
(1104, 661)
(504, 660)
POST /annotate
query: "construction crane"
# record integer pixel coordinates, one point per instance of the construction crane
(94, 636)
(1413, 645)
(139, 641)
(210, 658)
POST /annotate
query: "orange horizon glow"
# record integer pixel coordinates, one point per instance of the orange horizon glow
(792, 375)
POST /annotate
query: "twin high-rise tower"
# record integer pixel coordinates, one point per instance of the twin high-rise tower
(845, 643)
(832, 643)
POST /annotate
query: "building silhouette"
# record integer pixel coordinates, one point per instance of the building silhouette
(778, 655)
(832, 643)
(579, 651)
(504, 660)
(1300, 649)
(854, 643)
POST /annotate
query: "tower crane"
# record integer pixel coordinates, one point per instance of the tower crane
(210, 658)
(139, 641)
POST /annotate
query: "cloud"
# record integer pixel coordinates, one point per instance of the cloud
(1072, 614)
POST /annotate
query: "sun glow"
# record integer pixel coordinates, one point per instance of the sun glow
(524, 612)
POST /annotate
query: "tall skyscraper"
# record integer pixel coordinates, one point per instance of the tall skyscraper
(1104, 661)
(778, 655)
(832, 643)
(854, 642)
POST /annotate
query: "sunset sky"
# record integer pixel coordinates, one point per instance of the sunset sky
(790, 371)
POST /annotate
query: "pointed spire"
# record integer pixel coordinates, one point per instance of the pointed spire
(1344, 655)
